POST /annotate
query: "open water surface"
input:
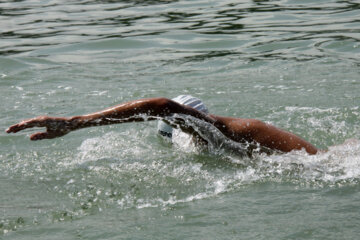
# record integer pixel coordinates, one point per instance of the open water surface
(295, 64)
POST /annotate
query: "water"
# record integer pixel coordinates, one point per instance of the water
(294, 64)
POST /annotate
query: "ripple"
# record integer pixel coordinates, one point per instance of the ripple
(283, 30)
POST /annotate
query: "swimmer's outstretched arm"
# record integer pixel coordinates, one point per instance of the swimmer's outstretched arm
(236, 129)
(133, 111)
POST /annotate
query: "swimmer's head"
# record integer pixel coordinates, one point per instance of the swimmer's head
(165, 129)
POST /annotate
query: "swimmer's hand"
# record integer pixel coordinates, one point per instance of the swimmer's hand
(55, 127)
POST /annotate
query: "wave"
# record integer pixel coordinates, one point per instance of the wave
(139, 174)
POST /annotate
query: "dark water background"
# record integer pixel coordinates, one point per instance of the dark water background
(294, 64)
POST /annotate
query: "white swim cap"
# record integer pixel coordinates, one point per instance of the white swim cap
(165, 129)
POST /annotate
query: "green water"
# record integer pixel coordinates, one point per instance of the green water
(292, 63)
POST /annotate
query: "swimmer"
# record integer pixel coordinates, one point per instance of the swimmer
(172, 112)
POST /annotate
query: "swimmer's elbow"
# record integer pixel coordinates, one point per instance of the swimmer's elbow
(166, 106)
(312, 150)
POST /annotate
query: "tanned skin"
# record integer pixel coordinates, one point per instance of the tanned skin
(237, 129)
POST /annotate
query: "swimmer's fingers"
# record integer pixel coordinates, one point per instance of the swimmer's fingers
(30, 123)
(46, 135)
(55, 127)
